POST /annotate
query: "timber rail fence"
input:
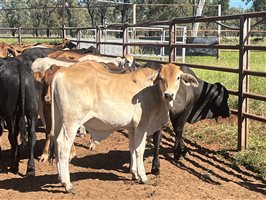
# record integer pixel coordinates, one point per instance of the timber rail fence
(243, 48)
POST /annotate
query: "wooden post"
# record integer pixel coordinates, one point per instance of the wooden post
(243, 84)
(63, 19)
(125, 40)
(98, 38)
(19, 35)
(172, 41)
(78, 38)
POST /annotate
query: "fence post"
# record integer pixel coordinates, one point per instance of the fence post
(63, 19)
(78, 38)
(98, 38)
(243, 84)
(172, 41)
(125, 40)
(19, 35)
(219, 31)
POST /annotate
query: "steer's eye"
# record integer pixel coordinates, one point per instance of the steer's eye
(178, 77)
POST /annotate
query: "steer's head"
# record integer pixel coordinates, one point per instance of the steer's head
(46, 79)
(169, 79)
(3, 50)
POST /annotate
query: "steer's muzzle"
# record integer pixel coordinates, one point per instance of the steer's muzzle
(168, 96)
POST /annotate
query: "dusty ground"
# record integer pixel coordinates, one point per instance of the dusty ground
(103, 174)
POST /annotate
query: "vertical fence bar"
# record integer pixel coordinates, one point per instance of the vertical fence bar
(125, 40)
(63, 19)
(63, 32)
(161, 49)
(219, 31)
(184, 41)
(19, 35)
(243, 84)
(172, 41)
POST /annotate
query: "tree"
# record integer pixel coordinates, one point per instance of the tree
(199, 9)
(43, 13)
(257, 5)
(15, 17)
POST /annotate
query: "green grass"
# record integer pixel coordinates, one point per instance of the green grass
(223, 137)
(225, 134)
(30, 41)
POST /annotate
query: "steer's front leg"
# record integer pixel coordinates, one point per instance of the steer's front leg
(133, 163)
(157, 136)
(140, 143)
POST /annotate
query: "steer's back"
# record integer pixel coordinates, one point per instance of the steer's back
(104, 100)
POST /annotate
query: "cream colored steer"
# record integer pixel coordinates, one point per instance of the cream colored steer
(138, 101)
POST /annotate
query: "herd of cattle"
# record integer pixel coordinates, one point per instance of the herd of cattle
(69, 88)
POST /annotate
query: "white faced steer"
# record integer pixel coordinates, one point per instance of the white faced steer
(138, 101)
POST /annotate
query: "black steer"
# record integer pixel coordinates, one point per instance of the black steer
(18, 98)
(191, 105)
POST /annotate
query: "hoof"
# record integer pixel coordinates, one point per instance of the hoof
(143, 181)
(69, 188)
(71, 191)
(135, 178)
(155, 171)
(43, 158)
(30, 173)
(184, 152)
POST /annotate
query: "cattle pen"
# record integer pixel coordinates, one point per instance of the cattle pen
(245, 29)
(127, 42)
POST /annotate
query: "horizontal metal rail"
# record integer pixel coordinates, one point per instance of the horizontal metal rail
(255, 117)
(152, 44)
(254, 96)
(206, 46)
(255, 73)
(253, 47)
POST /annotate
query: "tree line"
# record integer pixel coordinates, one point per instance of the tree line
(86, 13)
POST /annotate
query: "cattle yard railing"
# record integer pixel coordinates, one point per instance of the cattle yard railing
(243, 47)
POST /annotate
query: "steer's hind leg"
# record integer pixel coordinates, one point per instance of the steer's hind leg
(12, 137)
(63, 143)
(32, 141)
(47, 116)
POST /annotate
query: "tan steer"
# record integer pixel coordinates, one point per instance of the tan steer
(138, 101)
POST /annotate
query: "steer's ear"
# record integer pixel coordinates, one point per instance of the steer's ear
(188, 79)
(150, 81)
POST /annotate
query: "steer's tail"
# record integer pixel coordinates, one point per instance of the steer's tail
(22, 123)
(54, 116)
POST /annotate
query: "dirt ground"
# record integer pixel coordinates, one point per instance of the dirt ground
(104, 174)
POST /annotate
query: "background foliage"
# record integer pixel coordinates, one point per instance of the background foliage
(80, 13)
